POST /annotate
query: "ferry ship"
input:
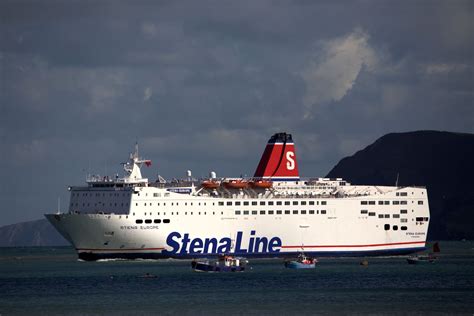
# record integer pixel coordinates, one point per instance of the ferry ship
(275, 213)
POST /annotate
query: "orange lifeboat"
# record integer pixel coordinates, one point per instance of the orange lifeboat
(236, 184)
(210, 184)
(262, 184)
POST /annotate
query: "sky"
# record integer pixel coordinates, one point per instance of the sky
(202, 85)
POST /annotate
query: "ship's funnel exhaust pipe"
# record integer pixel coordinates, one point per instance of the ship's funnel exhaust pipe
(278, 161)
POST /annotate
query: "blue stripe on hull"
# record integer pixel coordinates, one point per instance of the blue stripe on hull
(89, 256)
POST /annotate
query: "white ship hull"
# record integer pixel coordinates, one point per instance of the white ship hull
(206, 229)
(273, 214)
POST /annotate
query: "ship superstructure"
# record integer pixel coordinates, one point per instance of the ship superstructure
(273, 214)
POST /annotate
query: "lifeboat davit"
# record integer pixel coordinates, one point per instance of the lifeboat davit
(210, 184)
(236, 184)
(263, 184)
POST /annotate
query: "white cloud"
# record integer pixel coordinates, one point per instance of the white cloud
(334, 69)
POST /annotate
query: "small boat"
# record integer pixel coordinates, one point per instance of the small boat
(302, 262)
(422, 259)
(210, 184)
(236, 184)
(224, 263)
(429, 258)
(263, 184)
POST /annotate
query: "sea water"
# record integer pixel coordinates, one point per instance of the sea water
(50, 281)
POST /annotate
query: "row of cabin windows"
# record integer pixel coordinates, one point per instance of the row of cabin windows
(155, 221)
(380, 215)
(387, 202)
(422, 219)
(100, 194)
(254, 212)
(185, 213)
(383, 215)
(270, 203)
(238, 203)
(388, 215)
(99, 204)
(402, 194)
(394, 227)
(280, 212)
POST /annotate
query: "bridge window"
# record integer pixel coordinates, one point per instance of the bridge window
(287, 212)
(395, 227)
(311, 211)
(324, 212)
(254, 203)
(403, 228)
(237, 212)
(262, 212)
(370, 213)
(157, 221)
(311, 202)
(229, 203)
(386, 227)
(139, 221)
(246, 203)
(303, 212)
(420, 202)
(262, 202)
(246, 212)
(270, 212)
(363, 212)
(254, 212)
(148, 221)
(166, 221)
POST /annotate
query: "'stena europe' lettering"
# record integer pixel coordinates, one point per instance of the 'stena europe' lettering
(184, 245)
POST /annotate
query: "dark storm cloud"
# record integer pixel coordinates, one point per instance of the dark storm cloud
(202, 85)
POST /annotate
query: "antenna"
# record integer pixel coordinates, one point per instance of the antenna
(396, 182)
(59, 205)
